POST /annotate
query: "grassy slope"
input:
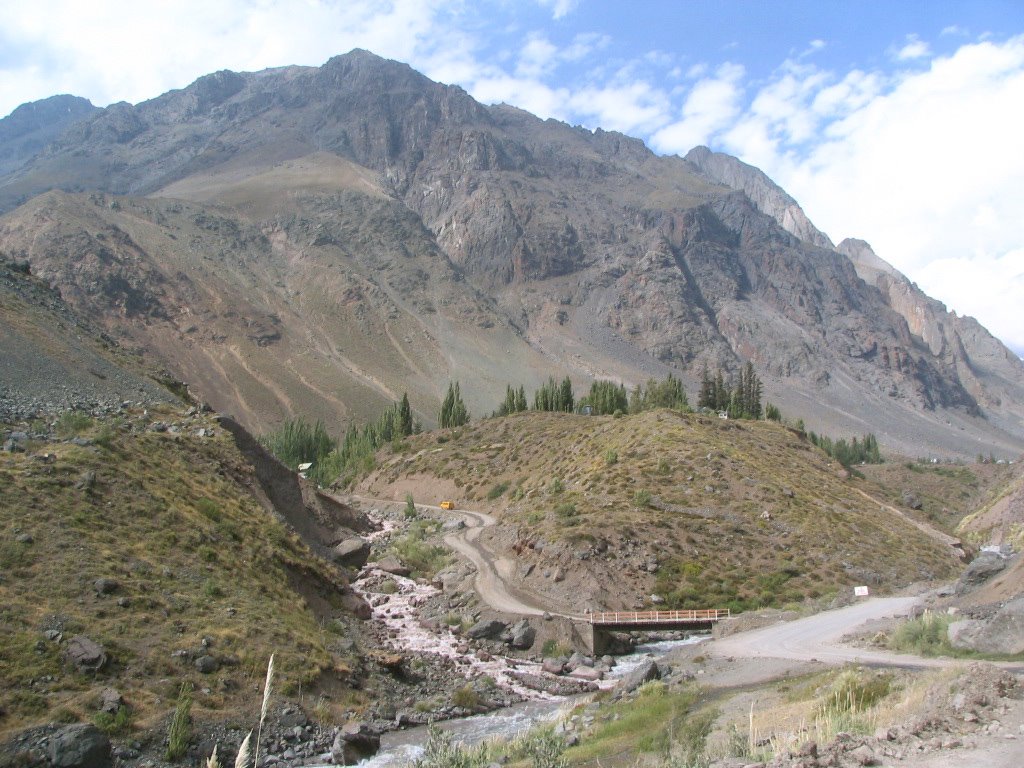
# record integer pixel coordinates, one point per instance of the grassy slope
(168, 517)
(947, 492)
(688, 490)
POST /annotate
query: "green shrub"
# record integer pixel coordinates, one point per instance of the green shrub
(466, 697)
(553, 649)
(116, 724)
(73, 423)
(642, 498)
(209, 510)
(566, 511)
(611, 457)
(179, 733)
(925, 636)
(497, 491)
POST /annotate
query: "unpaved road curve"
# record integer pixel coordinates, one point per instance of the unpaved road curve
(494, 575)
(819, 638)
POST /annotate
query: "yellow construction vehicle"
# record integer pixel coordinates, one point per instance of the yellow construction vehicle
(447, 505)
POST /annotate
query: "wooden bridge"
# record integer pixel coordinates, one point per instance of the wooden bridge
(647, 621)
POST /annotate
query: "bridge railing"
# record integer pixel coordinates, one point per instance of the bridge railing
(658, 617)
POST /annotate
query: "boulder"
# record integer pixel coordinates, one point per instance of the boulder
(394, 566)
(487, 629)
(553, 666)
(80, 746)
(352, 552)
(87, 655)
(207, 664)
(910, 500)
(106, 586)
(523, 635)
(645, 673)
(355, 741)
(1003, 633)
(111, 700)
(356, 605)
(982, 568)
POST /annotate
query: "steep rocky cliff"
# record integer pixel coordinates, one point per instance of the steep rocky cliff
(321, 239)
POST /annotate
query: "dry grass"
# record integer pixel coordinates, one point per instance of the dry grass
(736, 513)
(170, 519)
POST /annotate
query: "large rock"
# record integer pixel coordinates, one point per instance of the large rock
(80, 746)
(982, 568)
(86, 654)
(522, 635)
(1003, 633)
(352, 553)
(354, 742)
(645, 673)
(487, 629)
(394, 566)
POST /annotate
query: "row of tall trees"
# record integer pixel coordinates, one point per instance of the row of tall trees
(298, 442)
(515, 401)
(453, 411)
(863, 451)
(554, 396)
(741, 398)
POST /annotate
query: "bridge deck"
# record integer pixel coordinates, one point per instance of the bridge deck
(655, 618)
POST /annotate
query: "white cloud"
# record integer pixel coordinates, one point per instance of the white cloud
(711, 104)
(119, 50)
(987, 287)
(926, 165)
(560, 8)
(537, 57)
(913, 49)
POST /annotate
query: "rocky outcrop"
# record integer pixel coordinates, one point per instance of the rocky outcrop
(80, 746)
(768, 196)
(30, 127)
(1003, 633)
(982, 568)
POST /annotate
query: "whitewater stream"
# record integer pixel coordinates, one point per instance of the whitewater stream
(398, 611)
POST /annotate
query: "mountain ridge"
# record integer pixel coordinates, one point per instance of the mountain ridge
(589, 254)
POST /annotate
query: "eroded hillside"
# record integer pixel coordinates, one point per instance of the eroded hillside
(142, 534)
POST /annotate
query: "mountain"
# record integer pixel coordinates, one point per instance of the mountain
(51, 360)
(319, 240)
(30, 127)
(984, 366)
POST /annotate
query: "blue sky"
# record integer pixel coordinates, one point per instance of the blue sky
(898, 122)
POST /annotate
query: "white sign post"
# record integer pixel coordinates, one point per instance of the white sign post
(860, 591)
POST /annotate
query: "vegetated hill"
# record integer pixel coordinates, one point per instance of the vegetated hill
(603, 512)
(490, 246)
(52, 360)
(1000, 520)
(944, 494)
(146, 536)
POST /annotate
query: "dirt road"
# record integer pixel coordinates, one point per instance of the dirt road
(818, 638)
(494, 575)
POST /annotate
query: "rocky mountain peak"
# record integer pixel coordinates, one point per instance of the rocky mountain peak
(32, 126)
(768, 196)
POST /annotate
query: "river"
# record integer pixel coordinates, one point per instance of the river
(397, 608)
(401, 748)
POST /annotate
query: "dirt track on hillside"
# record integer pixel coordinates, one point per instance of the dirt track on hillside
(494, 575)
